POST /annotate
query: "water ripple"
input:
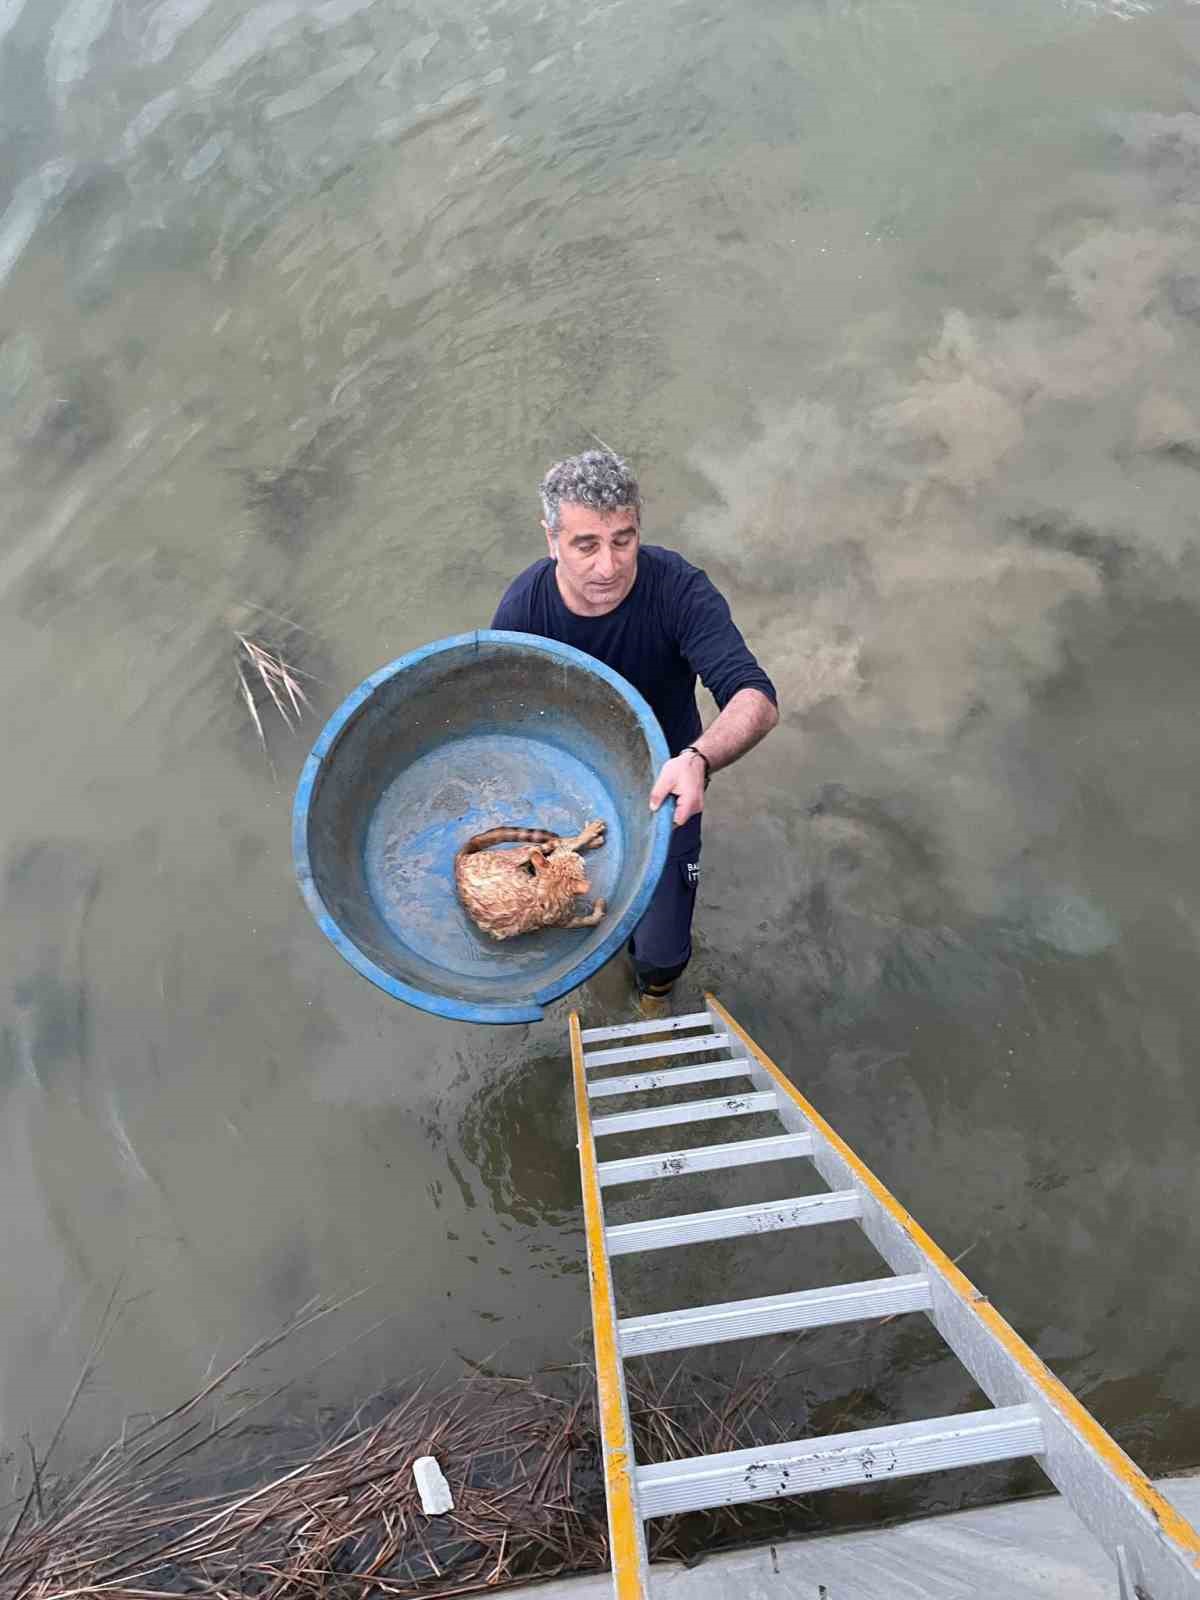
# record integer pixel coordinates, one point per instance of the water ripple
(75, 35)
(151, 117)
(334, 12)
(34, 197)
(10, 15)
(315, 89)
(167, 25)
(245, 42)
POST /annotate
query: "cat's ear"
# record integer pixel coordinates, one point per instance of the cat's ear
(538, 862)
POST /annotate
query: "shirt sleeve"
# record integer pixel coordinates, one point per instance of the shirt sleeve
(513, 611)
(713, 645)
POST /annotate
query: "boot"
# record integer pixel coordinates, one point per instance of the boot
(654, 1001)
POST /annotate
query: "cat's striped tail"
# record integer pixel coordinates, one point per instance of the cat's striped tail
(481, 841)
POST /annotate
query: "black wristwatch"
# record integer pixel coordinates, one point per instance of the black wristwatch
(703, 757)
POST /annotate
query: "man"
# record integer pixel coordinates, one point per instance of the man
(660, 623)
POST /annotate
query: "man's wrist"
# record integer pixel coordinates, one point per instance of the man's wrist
(691, 749)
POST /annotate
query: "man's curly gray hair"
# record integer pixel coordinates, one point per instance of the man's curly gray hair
(597, 478)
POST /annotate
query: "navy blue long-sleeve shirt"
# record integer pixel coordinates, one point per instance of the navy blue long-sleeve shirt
(673, 627)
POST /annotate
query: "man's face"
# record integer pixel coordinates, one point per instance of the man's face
(597, 553)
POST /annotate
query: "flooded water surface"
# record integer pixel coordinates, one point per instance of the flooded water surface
(896, 309)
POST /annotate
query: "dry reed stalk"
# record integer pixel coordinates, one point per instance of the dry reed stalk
(279, 680)
(338, 1517)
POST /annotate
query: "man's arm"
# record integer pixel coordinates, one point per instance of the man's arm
(714, 648)
(747, 718)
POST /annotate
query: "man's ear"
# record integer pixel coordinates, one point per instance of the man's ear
(551, 540)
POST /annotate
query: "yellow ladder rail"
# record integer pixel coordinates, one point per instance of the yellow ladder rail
(626, 1533)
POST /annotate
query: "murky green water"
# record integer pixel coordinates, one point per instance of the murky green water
(896, 307)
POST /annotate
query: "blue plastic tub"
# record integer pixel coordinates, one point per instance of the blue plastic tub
(474, 732)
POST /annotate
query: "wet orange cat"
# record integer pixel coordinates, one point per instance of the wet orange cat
(507, 892)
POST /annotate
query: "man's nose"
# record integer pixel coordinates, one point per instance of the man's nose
(606, 564)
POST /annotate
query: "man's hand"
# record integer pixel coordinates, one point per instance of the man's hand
(747, 718)
(682, 776)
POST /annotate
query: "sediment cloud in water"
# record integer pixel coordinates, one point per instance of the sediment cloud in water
(918, 558)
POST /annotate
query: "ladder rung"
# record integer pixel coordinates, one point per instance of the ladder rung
(702, 1072)
(646, 1052)
(774, 1313)
(765, 1216)
(734, 1105)
(706, 1158)
(772, 1472)
(694, 1019)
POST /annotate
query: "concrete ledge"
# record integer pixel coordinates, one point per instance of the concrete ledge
(1023, 1550)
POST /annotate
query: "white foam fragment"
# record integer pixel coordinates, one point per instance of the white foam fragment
(432, 1487)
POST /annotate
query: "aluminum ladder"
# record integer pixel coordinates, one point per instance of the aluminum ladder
(1156, 1551)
